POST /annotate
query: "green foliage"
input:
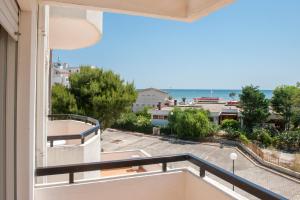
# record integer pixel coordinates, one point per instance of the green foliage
(283, 101)
(232, 133)
(214, 128)
(289, 140)
(243, 138)
(263, 135)
(63, 102)
(230, 123)
(255, 107)
(165, 130)
(101, 94)
(272, 130)
(126, 121)
(133, 122)
(190, 123)
(144, 112)
(296, 118)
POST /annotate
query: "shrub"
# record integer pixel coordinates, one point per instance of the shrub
(289, 140)
(165, 130)
(143, 124)
(230, 123)
(232, 133)
(144, 112)
(190, 123)
(243, 138)
(214, 128)
(266, 139)
(273, 131)
(263, 135)
(126, 121)
(133, 122)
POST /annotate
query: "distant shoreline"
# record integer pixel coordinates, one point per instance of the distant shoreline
(189, 94)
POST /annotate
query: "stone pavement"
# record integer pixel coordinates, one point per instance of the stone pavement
(115, 140)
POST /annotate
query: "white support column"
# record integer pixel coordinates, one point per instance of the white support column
(10, 118)
(26, 104)
(42, 87)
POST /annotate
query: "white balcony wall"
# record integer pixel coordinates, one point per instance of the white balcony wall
(176, 185)
(67, 127)
(72, 151)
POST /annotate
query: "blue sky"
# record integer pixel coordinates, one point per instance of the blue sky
(248, 42)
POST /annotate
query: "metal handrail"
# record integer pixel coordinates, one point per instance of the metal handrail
(240, 182)
(80, 136)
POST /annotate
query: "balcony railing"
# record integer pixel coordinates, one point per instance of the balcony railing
(81, 135)
(204, 166)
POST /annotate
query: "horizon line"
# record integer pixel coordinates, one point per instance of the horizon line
(199, 88)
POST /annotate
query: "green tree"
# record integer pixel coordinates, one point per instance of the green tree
(296, 118)
(296, 107)
(189, 123)
(63, 102)
(101, 94)
(254, 105)
(283, 102)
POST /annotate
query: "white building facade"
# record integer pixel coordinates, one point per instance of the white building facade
(60, 75)
(149, 97)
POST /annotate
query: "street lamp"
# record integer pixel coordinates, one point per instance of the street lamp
(233, 157)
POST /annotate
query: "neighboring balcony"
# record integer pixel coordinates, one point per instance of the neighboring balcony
(73, 28)
(73, 139)
(166, 184)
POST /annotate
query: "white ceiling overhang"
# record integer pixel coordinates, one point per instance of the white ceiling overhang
(181, 10)
(74, 28)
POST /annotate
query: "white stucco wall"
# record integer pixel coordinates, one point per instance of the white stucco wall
(73, 152)
(149, 98)
(68, 127)
(176, 185)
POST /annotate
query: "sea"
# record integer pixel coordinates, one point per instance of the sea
(189, 94)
